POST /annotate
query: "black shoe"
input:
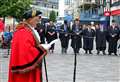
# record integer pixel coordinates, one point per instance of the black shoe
(85, 51)
(90, 52)
(98, 52)
(62, 51)
(65, 51)
(116, 54)
(52, 51)
(109, 53)
(104, 53)
(77, 52)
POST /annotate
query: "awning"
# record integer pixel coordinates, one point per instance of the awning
(115, 12)
(115, 9)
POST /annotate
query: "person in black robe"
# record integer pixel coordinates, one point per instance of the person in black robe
(64, 36)
(88, 39)
(51, 34)
(119, 38)
(113, 36)
(76, 35)
(101, 32)
(41, 30)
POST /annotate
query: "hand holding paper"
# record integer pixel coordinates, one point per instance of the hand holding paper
(54, 41)
(47, 46)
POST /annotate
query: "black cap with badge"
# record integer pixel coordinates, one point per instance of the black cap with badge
(31, 13)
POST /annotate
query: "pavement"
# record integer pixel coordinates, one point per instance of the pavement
(90, 68)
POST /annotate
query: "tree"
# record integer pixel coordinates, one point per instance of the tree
(14, 8)
(52, 16)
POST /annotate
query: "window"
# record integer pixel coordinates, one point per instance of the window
(68, 2)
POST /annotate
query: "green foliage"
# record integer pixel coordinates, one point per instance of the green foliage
(52, 16)
(14, 8)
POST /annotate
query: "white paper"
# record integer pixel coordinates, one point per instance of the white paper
(54, 41)
(47, 46)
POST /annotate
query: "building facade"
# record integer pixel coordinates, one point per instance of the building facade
(46, 6)
(59, 6)
(115, 7)
(115, 10)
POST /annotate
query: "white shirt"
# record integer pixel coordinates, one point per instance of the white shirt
(36, 33)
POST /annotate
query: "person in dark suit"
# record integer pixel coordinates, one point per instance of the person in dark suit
(101, 32)
(64, 36)
(113, 36)
(41, 30)
(76, 43)
(88, 39)
(51, 34)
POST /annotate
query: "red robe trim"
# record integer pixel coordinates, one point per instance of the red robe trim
(25, 58)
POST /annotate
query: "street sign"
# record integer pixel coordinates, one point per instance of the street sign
(107, 13)
(107, 8)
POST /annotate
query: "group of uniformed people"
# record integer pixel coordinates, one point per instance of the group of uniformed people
(77, 32)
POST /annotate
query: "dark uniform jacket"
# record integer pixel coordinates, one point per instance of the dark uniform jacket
(64, 35)
(113, 36)
(41, 30)
(51, 33)
(88, 38)
(101, 34)
(76, 36)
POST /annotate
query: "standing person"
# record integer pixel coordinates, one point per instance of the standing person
(7, 37)
(26, 51)
(88, 39)
(113, 36)
(119, 37)
(51, 34)
(1, 32)
(101, 32)
(64, 36)
(76, 43)
(1, 25)
(41, 30)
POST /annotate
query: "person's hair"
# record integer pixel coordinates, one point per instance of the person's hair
(50, 20)
(65, 21)
(113, 21)
(76, 19)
